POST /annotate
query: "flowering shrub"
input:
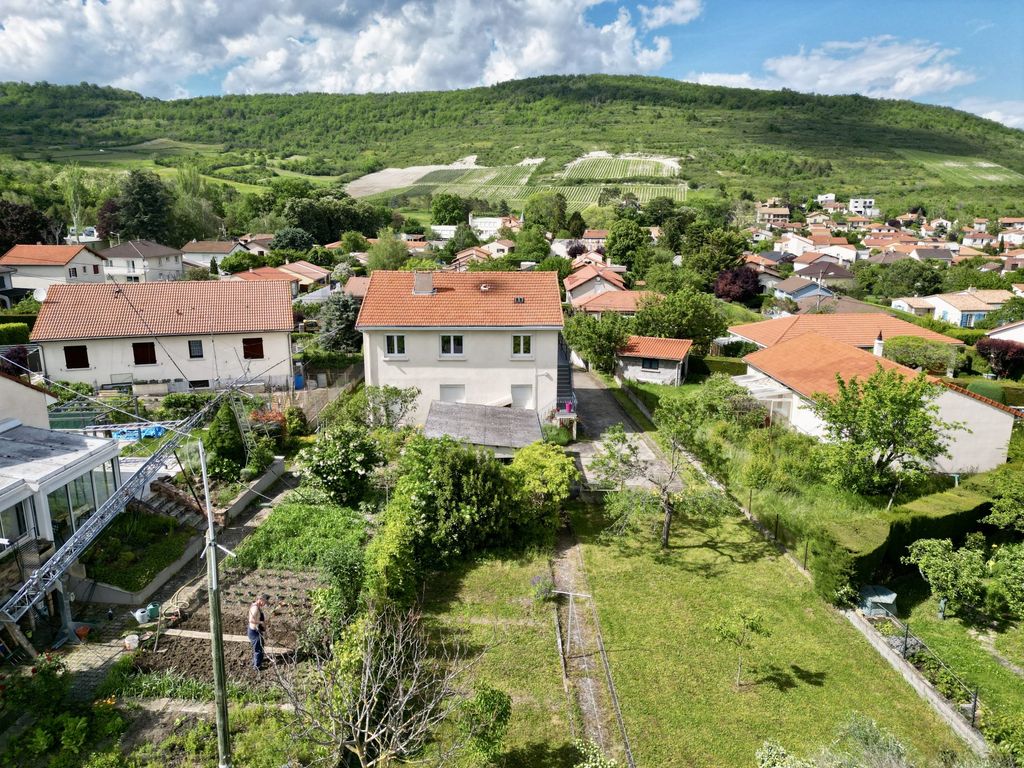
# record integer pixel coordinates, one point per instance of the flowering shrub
(42, 690)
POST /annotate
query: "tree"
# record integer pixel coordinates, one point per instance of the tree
(387, 406)
(667, 278)
(597, 339)
(963, 276)
(708, 251)
(531, 245)
(484, 721)
(916, 352)
(389, 252)
(739, 630)
(214, 270)
(224, 440)
(198, 273)
(737, 284)
(546, 210)
(463, 238)
(354, 242)
(1008, 505)
(72, 186)
(144, 207)
(1011, 312)
(576, 225)
(882, 431)
(685, 314)
(659, 209)
(907, 277)
(955, 575)
(555, 264)
(379, 694)
(338, 323)
(420, 264)
(543, 474)
(340, 463)
(108, 218)
(193, 215)
(291, 239)
(1006, 357)
(20, 224)
(448, 210)
(625, 238)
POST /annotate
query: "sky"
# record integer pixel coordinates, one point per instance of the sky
(965, 54)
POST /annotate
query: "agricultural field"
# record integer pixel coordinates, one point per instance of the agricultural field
(963, 171)
(604, 167)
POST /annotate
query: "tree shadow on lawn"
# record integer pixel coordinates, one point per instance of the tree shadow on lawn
(538, 754)
(785, 680)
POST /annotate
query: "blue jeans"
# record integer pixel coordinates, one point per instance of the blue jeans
(256, 640)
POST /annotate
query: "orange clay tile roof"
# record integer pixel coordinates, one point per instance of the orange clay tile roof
(462, 300)
(589, 272)
(356, 286)
(808, 257)
(595, 234)
(306, 269)
(42, 255)
(265, 274)
(659, 349)
(100, 311)
(613, 301)
(860, 330)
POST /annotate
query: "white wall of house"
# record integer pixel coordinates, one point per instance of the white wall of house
(949, 313)
(140, 270)
(84, 268)
(592, 287)
(667, 372)
(222, 362)
(26, 404)
(1015, 333)
(487, 369)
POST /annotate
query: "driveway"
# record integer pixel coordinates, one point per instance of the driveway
(598, 410)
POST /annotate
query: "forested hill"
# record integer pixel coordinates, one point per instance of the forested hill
(722, 134)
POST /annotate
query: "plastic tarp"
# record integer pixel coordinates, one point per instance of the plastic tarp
(134, 434)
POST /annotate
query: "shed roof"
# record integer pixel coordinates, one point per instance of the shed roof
(655, 348)
(487, 425)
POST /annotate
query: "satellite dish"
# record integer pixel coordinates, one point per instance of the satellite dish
(39, 294)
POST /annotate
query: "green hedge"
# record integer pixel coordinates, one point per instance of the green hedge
(1013, 394)
(705, 366)
(968, 336)
(990, 389)
(14, 317)
(13, 333)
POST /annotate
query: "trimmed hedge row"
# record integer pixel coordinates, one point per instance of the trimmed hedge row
(14, 317)
(14, 333)
(705, 366)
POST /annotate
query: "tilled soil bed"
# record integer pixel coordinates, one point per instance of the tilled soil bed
(288, 612)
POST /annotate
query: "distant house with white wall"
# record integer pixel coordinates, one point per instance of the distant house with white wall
(168, 336)
(790, 376)
(772, 216)
(1009, 332)
(594, 238)
(863, 206)
(40, 266)
(659, 361)
(268, 275)
(797, 288)
(828, 197)
(625, 303)
(142, 261)
(963, 308)
(486, 338)
(589, 279)
(202, 252)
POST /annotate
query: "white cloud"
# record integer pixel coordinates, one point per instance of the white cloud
(1008, 112)
(676, 12)
(882, 67)
(156, 46)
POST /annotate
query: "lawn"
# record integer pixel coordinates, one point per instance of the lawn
(675, 681)
(963, 171)
(955, 641)
(492, 601)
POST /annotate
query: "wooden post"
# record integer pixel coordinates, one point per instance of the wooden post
(974, 707)
(806, 545)
(906, 639)
(15, 631)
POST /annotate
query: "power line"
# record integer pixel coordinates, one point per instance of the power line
(156, 338)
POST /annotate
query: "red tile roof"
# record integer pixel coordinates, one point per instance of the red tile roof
(356, 286)
(306, 269)
(43, 255)
(589, 272)
(99, 311)
(595, 234)
(860, 330)
(265, 274)
(210, 246)
(613, 301)
(659, 349)
(462, 300)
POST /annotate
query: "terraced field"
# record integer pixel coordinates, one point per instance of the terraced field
(963, 171)
(619, 168)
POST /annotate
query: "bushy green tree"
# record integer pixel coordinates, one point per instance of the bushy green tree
(531, 245)
(1011, 312)
(907, 277)
(963, 276)
(144, 207)
(685, 314)
(463, 238)
(21, 224)
(916, 352)
(340, 463)
(543, 474)
(292, 239)
(354, 242)
(223, 438)
(546, 210)
(597, 339)
(625, 238)
(576, 225)
(337, 318)
(446, 209)
(389, 252)
(956, 575)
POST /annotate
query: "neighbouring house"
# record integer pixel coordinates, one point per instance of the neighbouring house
(807, 258)
(624, 303)
(591, 279)
(1012, 222)
(828, 197)
(258, 243)
(860, 330)
(836, 305)
(888, 257)
(978, 239)
(857, 222)
(942, 255)
(772, 216)
(818, 217)
(790, 376)
(597, 259)
(963, 308)
(1009, 332)
(9, 295)
(863, 206)
(40, 266)
(797, 288)
(467, 256)
(142, 261)
(1018, 289)
(1011, 237)
(311, 276)
(202, 252)
(827, 273)
(50, 483)
(978, 225)
(659, 361)
(356, 286)
(167, 337)
(499, 247)
(487, 227)
(268, 274)
(594, 238)
(768, 279)
(488, 338)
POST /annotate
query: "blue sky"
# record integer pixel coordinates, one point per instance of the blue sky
(964, 54)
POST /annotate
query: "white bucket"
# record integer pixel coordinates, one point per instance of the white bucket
(131, 642)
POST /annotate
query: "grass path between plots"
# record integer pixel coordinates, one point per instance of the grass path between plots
(675, 680)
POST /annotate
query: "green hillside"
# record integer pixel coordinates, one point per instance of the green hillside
(766, 142)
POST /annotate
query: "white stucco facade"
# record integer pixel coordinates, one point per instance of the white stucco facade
(671, 372)
(26, 403)
(487, 372)
(85, 267)
(144, 270)
(591, 287)
(1011, 332)
(221, 360)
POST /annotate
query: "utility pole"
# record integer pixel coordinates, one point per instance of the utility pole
(216, 637)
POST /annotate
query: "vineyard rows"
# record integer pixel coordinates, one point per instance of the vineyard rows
(616, 168)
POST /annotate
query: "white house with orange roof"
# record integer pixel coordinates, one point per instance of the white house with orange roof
(40, 266)
(659, 361)
(485, 338)
(625, 303)
(1009, 332)
(788, 377)
(963, 308)
(592, 278)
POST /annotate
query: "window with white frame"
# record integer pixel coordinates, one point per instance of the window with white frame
(522, 345)
(451, 345)
(394, 345)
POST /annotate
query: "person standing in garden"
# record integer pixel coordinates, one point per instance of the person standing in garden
(257, 629)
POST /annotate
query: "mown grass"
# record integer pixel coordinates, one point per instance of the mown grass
(674, 679)
(490, 604)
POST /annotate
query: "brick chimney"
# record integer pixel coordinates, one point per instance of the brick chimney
(879, 347)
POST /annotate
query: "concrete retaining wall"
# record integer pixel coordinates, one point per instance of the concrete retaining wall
(254, 493)
(98, 592)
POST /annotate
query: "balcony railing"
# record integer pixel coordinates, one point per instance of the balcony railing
(565, 407)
